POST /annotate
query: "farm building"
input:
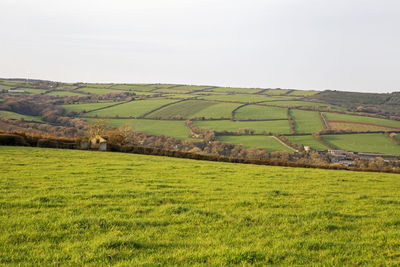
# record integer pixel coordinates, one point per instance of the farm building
(99, 143)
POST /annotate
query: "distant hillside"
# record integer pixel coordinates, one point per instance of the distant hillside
(387, 104)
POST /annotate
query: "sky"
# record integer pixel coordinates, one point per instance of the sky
(349, 45)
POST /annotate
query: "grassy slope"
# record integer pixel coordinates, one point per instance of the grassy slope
(306, 121)
(217, 111)
(64, 93)
(241, 98)
(344, 117)
(307, 140)
(267, 143)
(376, 143)
(17, 116)
(88, 106)
(113, 208)
(258, 126)
(182, 109)
(260, 112)
(175, 129)
(132, 109)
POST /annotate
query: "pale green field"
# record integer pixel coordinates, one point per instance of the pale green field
(88, 106)
(13, 115)
(260, 113)
(375, 143)
(217, 111)
(132, 109)
(233, 126)
(306, 121)
(176, 129)
(64, 93)
(242, 98)
(307, 140)
(267, 143)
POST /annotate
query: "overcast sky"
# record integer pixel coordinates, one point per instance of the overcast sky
(349, 45)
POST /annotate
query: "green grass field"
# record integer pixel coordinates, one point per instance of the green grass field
(64, 93)
(303, 93)
(243, 98)
(267, 143)
(226, 90)
(103, 209)
(363, 119)
(182, 109)
(133, 108)
(277, 91)
(307, 140)
(233, 126)
(260, 113)
(217, 111)
(31, 90)
(17, 116)
(176, 129)
(88, 106)
(306, 121)
(375, 143)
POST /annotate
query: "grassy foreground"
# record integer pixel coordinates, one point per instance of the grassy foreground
(78, 207)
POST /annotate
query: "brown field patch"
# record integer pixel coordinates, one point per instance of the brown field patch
(359, 126)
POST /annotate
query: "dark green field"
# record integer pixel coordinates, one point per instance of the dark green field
(103, 209)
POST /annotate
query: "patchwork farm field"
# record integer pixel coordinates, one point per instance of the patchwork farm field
(307, 140)
(306, 121)
(260, 113)
(279, 126)
(244, 111)
(375, 143)
(267, 143)
(132, 109)
(88, 106)
(361, 119)
(176, 129)
(13, 115)
(103, 209)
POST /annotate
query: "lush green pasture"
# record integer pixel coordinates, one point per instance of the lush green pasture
(306, 121)
(260, 113)
(88, 106)
(133, 108)
(375, 143)
(182, 96)
(6, 87)
(181, 110)
(277, 91)
(64, 93)
(274, 127)
(307, 140)
(17, 116)
(32, 90)
(103, 209)
(217, 111)
(228, 90)
(243, 98)
(267, 143)
(363, 119)
(96, 91)
(295, 103)
(303, 93)
(176, 129)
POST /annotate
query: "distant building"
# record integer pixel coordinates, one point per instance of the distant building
(99, 143)
(16, 91)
